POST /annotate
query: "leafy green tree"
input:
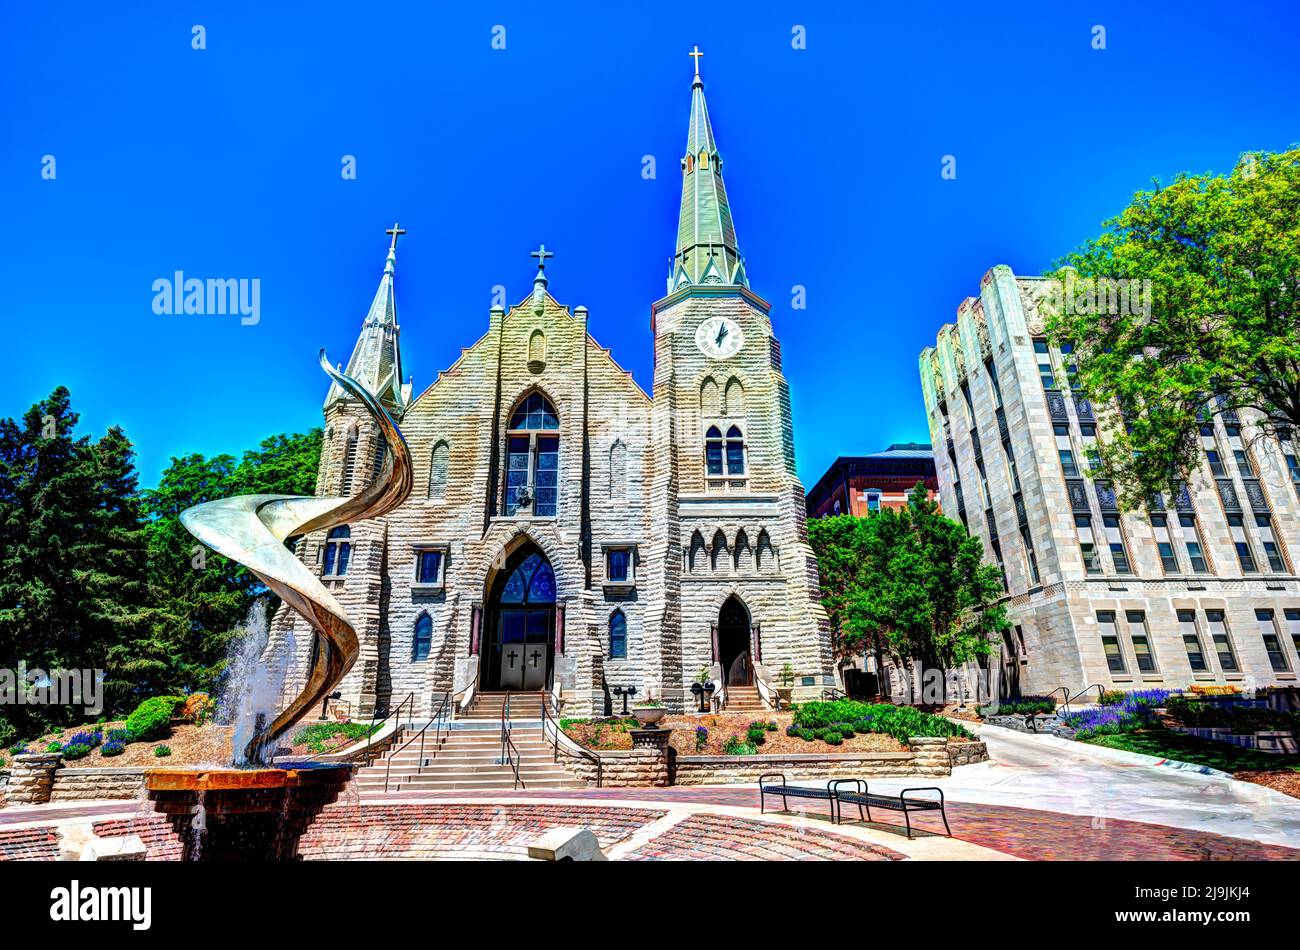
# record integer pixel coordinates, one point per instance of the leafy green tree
(73, 563)
(910, 583)
(1219, 324)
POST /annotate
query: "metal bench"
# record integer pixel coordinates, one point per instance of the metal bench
(791, 791)
(900, 802)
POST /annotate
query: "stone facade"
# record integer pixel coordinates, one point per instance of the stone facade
(631, 477)
(71, 785)
(31, 778)
(1149, 603)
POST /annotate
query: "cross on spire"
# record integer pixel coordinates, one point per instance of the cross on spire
(395, 230)
(696, 54)
(541, 254)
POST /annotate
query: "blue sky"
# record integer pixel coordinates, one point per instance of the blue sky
(225, 162)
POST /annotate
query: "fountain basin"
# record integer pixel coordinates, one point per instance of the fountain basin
(244, 814)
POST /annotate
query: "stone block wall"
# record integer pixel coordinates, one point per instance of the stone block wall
(71, 785)
(637, 768)
(31, 778)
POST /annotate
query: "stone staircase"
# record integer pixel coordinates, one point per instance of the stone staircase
(745, 699)
(468, 756)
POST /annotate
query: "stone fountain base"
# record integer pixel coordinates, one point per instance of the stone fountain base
(244, 814)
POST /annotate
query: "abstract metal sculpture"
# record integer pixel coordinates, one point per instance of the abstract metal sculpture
(251, 529)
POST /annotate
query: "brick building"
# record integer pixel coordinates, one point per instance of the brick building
(567, 530)
(859, 484)
(1198, 588)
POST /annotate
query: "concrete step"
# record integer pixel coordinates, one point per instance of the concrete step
(425, 783)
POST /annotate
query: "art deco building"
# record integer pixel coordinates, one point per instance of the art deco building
(1197, 588)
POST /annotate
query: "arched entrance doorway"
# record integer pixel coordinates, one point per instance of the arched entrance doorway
(520, 647)
(734, 643)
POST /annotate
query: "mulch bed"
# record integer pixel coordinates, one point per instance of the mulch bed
(1286, 781)
(613, 734)
(190, 745)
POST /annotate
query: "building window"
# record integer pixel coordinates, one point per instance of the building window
(422, 641)
(377, 463)
(713, 451)
(1110, 641)
(533, 457)
(338, 551)
(1031, 559)
(619, 565)
(1012, 469)
(1087, 544)
(1218, 625)
(1044, 363)
(1192, 641)
(1272, 642)
(1115, 540)
(1065, 451)
(617, 635)
(1238, 531)
(1267, 538)
(429, 566)
(872, 499)
(1243, 463)
(1192, 541)
(1164, 543)
(993, 381)
(1137, 629)
(735, 452)
(349, 459)
(1293, 627)
(1216, 464)
(617, 470)
(438, 472)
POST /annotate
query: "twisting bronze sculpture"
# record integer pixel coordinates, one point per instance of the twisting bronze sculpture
(251, 529)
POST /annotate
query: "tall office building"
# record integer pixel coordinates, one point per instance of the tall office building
(1197, 588)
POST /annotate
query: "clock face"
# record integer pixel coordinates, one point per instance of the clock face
(719, 338)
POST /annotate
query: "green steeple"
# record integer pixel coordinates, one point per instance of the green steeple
(706, 238)
(376, 360)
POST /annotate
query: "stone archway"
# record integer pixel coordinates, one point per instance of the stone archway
(734, 643)
(519, 634)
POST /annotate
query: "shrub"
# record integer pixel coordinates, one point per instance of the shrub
(772, 726)
(735, 746)
(119, 735)
(807, 735)
(152, 719)
(162, 751)
(112, 747)
(54, 747)
(1021, 706)
(901, 722)
(198, 708)
(18, 748)
(567, 724)
(76, 750)
(833, 737)
(701, 738)
(317, 736)
(1136, 710)
(7, 733)
(756, 734)
(846, 729)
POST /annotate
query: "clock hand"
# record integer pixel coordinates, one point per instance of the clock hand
(722, 331)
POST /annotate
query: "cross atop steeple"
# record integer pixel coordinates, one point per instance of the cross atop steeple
(541, 254)
(696, 54)
(395, 230)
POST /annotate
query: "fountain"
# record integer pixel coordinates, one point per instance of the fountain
(258, 809)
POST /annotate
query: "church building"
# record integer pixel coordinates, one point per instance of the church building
(567, 531)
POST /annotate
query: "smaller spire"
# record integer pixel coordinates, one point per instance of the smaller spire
(540, 281)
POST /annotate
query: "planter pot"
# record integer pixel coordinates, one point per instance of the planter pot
(784, 693)
(1277, 743)
(649, 715)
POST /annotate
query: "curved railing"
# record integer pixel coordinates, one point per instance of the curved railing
(765, 690)
(251, 530)
(571, 748)
(719, 699)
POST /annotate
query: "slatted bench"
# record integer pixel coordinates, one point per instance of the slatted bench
(861, 797)
(792, 791)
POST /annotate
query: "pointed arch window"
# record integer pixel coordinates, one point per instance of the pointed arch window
(438, 472)
(710, 403)
(713, 451)
(704, 158)
(422, 641)
(338, 552)
(617, 635)
(617, 470)
(533, 458)
(733, 401)
(735, 451)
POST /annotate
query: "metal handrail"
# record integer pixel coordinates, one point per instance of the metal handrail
(508, 744)
(1097, 686)
(577, 749)
(832, 693)
(370, 735)
(439, 718)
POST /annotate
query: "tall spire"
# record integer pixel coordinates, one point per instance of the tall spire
(706, 238)
(376, 360)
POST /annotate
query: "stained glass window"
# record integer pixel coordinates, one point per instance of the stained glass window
(338, 551)
(532, 582)
(735, 452)
(535, 412)
(713, 451)
(423, 639)
(617, 635)
(533, 461)
(429, 567)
